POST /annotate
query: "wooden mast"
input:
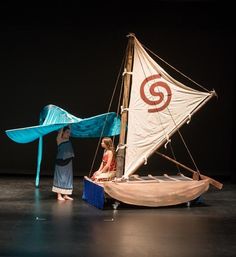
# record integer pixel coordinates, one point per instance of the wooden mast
(124, 114)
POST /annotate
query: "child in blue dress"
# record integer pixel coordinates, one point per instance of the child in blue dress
(63, 174)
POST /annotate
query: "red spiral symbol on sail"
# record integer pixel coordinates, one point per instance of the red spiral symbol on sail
(158, 89)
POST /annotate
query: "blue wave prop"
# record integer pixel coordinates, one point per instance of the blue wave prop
(53, 118)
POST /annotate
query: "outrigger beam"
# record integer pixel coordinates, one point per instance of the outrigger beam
(212, 181)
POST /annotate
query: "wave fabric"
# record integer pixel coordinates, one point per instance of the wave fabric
(53, 118)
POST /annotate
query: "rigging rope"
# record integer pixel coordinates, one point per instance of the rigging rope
(176, 69)
(109, 107)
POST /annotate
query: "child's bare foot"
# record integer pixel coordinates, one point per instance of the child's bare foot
(66, 197)
(59, 197)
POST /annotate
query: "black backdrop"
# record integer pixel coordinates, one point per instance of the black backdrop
(70, 56)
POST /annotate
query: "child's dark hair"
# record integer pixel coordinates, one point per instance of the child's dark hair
(66, 128)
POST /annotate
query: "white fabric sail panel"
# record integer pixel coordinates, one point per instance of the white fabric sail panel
(158, 106)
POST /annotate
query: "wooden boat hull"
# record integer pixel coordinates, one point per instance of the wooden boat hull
(156, 194)
(150, 193)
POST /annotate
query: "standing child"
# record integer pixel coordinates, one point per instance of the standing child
(63, 174)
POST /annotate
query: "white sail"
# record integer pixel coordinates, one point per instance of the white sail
(158, 106)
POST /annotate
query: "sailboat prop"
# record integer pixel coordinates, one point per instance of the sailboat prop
(154, 107)
(52, 118)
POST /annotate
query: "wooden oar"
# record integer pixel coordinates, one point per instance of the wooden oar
(212, 181)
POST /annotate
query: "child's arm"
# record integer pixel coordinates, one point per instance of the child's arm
(59, 136)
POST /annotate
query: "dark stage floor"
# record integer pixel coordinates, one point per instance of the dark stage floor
(34, 223)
